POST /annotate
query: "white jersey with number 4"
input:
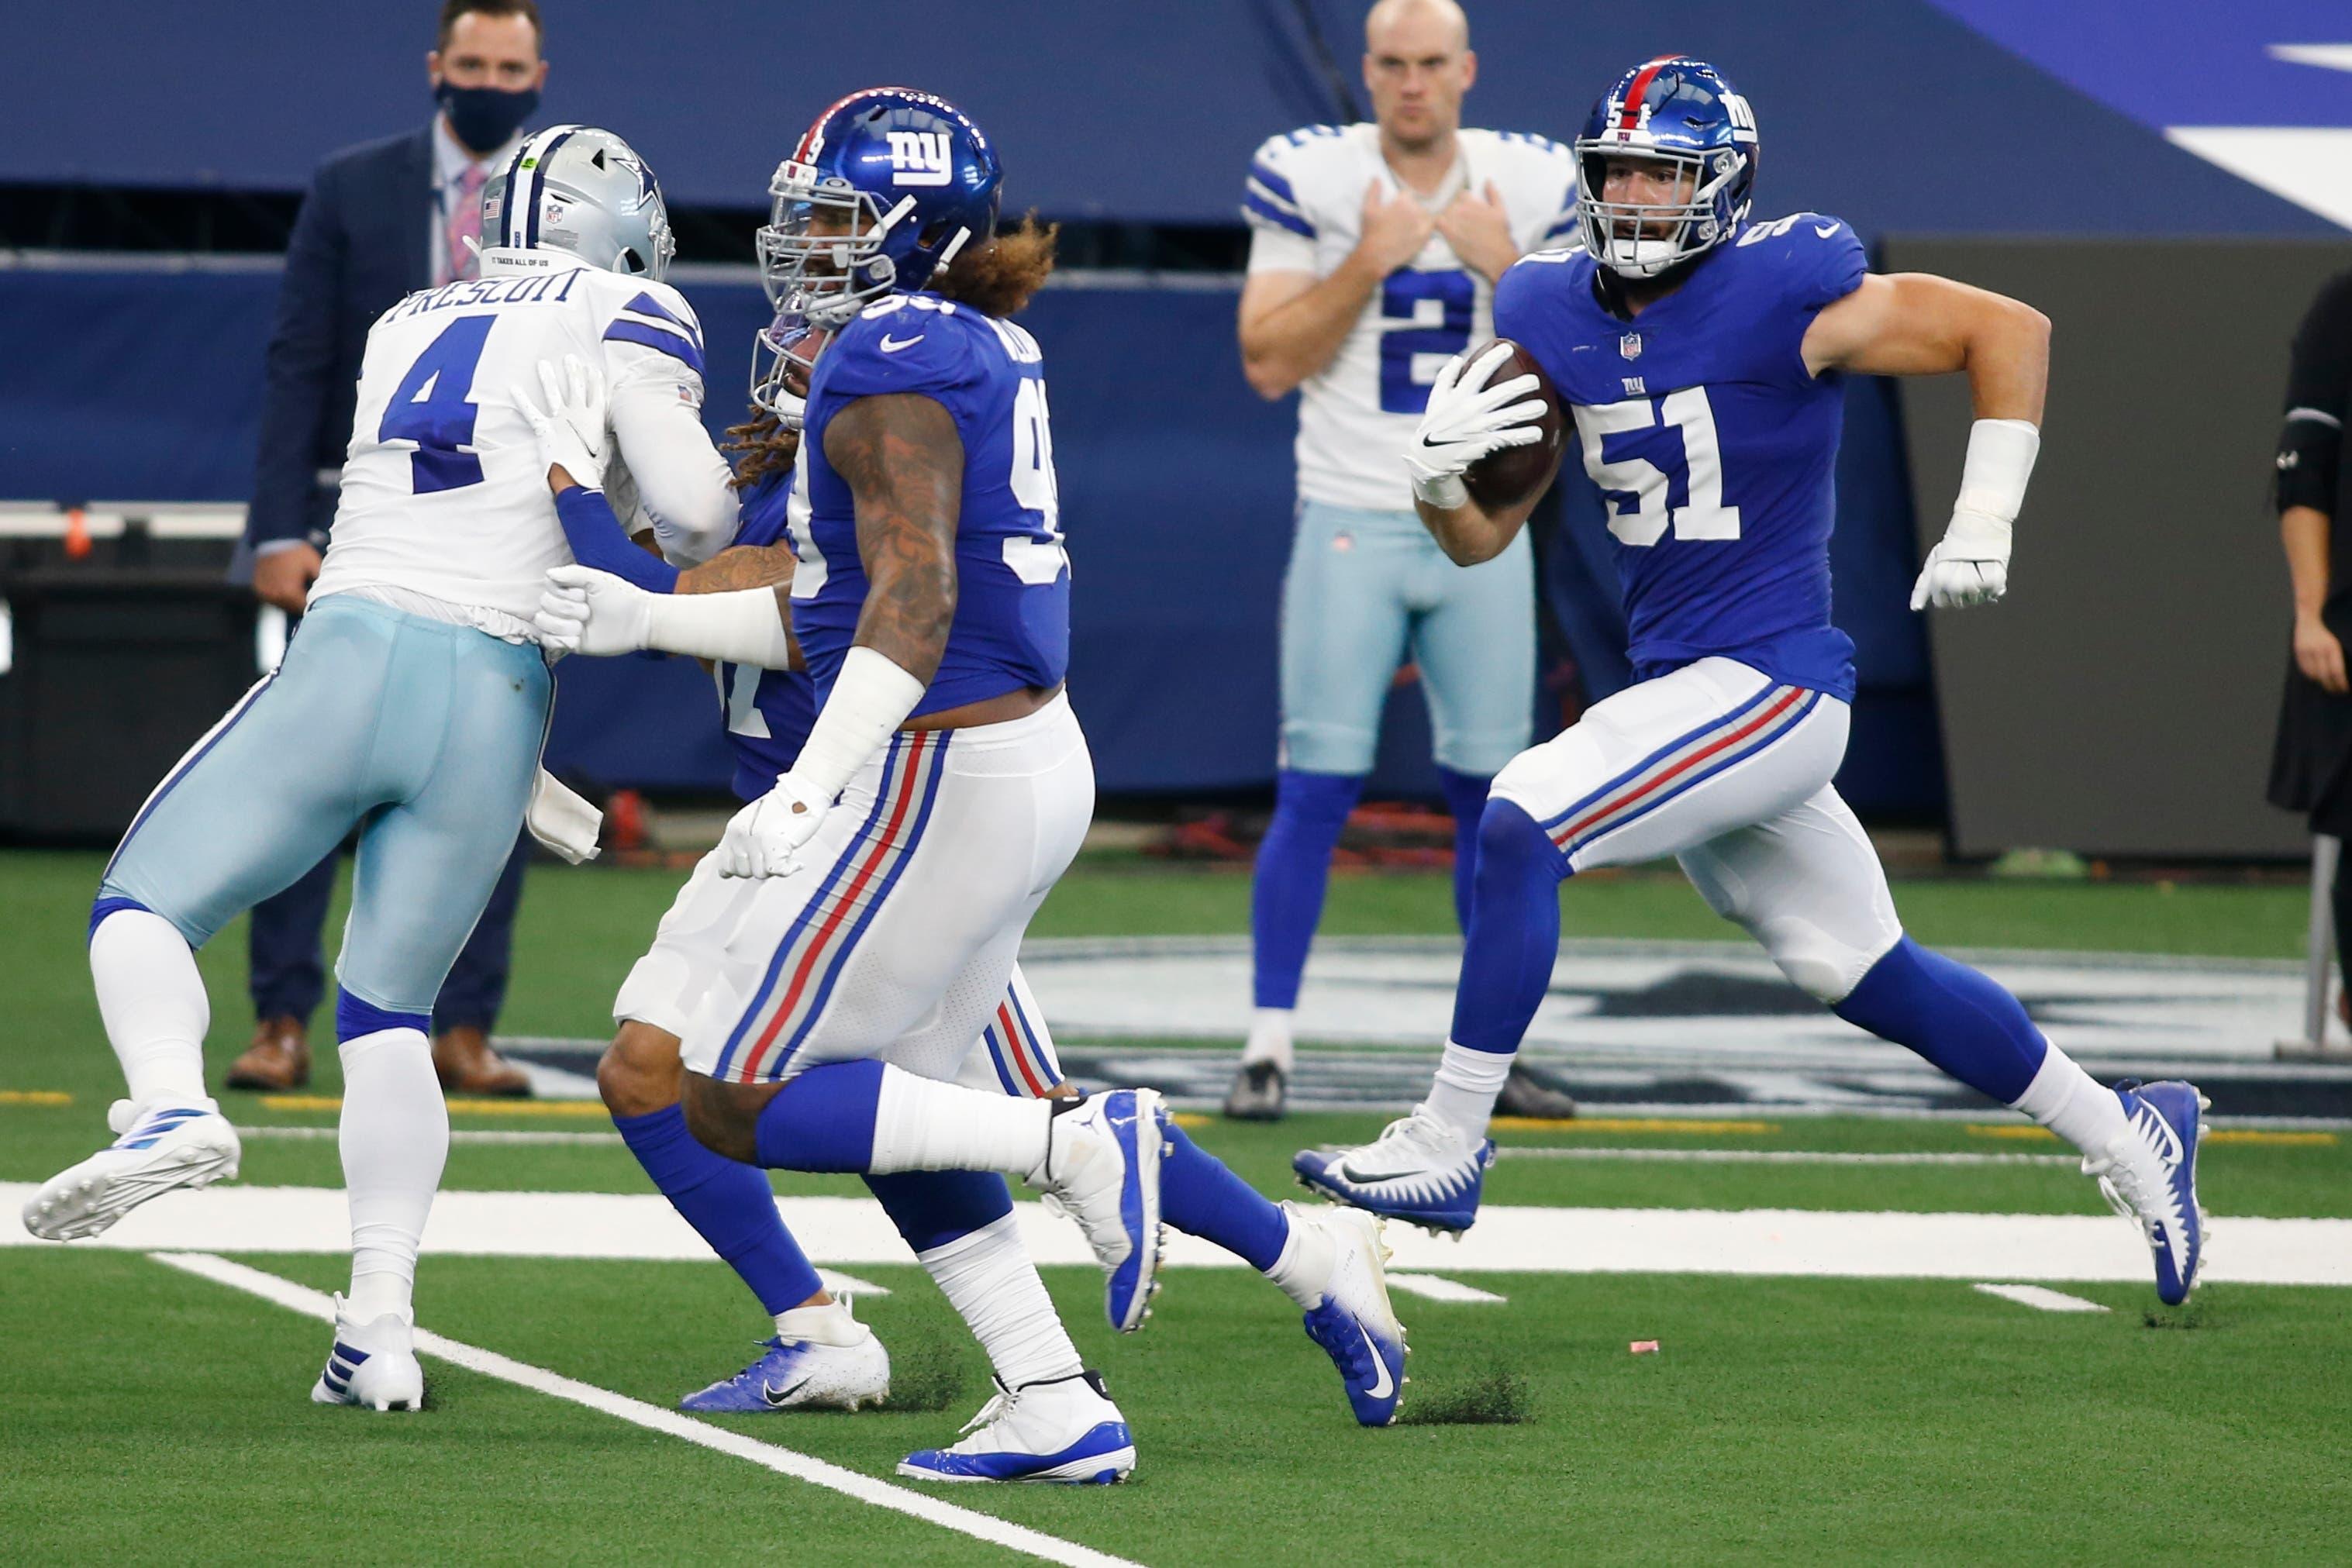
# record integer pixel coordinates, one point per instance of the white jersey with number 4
(1305, 201)
(443, 492)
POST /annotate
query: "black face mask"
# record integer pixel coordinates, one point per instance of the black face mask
(484, 116)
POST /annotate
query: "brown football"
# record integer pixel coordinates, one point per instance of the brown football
(1516, 474)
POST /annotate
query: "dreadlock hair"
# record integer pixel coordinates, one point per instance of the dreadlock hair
(997, 278)
(761, 446)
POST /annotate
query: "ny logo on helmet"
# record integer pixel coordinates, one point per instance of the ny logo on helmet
(919, 158)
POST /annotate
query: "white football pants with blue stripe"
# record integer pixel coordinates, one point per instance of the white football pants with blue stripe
(894, 937)
(1729, 771)
(424, 735)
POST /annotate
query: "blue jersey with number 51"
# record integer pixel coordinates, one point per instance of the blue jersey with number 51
(1713, 448)
(1011, 626)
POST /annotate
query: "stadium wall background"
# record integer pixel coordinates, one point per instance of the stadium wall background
(1902, 116)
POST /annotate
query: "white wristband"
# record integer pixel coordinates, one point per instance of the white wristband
(2000, 461)
(743, 627)
(870, 698)
(1446, 492)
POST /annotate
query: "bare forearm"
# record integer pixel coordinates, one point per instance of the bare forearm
(2303, 532)
(2008, 349)
(1466, 533)
(1286, 343)
(737, 567)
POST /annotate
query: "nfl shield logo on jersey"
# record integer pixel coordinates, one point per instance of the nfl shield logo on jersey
(1629, 345)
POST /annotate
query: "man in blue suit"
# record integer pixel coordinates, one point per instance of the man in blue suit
(381, 220)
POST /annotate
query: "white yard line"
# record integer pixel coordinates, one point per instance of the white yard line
(1438, 1288)
(2044, 1300)
(852, 1232)
(456, 1135)
(1780, 1156)
(783, 1461)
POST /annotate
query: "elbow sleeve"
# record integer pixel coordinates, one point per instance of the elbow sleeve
(2310, 448)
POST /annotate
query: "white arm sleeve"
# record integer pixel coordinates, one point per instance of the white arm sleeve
(682, 481)
(744, 626)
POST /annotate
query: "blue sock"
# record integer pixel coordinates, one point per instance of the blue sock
(1465, 797)
(729, 1204)
(822, 1120)
(1294, 862)
(1952, 1015)
(354, 1018)
(1200, 1197)
(1513, 933)
(931, 1208)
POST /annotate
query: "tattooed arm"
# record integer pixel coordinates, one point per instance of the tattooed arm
(904, 464)
(749, 566)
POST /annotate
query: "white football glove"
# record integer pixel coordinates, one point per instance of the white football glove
(1968, 565)
(765, 838)
(1467, 420)
(572, 431)
(583, 611)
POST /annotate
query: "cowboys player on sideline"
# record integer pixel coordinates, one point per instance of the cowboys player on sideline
(1702, 356)
(1373, 255)
(887, 877)
(410, 709)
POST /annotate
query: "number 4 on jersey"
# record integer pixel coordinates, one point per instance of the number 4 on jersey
(430, 408)
(1612, 433)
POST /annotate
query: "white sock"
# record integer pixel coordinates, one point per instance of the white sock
(1304, 1266)
(2074, 1104)
(1269, 1039)
(395, 1139)
(988, 1277)
(921, 1125)
(1467, 1083)
(828, 1324)
(153, 1005)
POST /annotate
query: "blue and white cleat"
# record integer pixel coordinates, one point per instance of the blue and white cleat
(1419, 1170)
(1102, 1169)
(1354, 1321)
(2150, 1176)
(1062, 1429)
(373, 1365)
(820, 1359)
(158, 1148)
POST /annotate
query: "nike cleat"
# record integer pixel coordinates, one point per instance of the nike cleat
(1261, 1093)
(373, 1365)
(842, 1370)
(158, 1148)
(1354, 1321)
(1102, 1169)
(1062, 1429)
(1419, 1170)
(2148, 1176)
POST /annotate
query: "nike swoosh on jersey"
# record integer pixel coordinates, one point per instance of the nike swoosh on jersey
(1381, 1386)
(1825, 230)
(892, 345)
(776, 1397)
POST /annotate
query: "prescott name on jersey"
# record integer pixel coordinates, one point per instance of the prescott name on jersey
(443, 492)
(1305, 203)
(1714, 448)
(1011, 626)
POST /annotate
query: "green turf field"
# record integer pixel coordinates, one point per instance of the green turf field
(149, 1415)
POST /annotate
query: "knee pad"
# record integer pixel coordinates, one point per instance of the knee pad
(1817, 963)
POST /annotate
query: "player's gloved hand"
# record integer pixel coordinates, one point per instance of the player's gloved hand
(572, 431)
(1968, 565)
(583, 611)
(1467, 420)
(765, 838)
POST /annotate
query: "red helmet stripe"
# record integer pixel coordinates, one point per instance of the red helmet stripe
(813, 139)
(1629, 113)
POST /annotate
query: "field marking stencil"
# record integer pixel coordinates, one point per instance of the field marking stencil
(847, 1232)
(782, 1460)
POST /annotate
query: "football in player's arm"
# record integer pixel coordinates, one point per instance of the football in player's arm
(1894, 324)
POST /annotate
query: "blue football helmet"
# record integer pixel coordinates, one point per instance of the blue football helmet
(1680, 112)
(881, 192)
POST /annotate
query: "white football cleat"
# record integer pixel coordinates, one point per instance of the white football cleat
(1419, 1170)
(1354, 1322)
(822, 1358)
(373, 1365)
(159, 1146)
(1102, 1169)
(1064, 1429)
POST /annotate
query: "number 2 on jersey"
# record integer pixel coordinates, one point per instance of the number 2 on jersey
(1403, 348)
(430, 408)
(1614, 433)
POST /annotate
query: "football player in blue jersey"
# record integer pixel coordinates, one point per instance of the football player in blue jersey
(1702, 354)
(886, 878)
